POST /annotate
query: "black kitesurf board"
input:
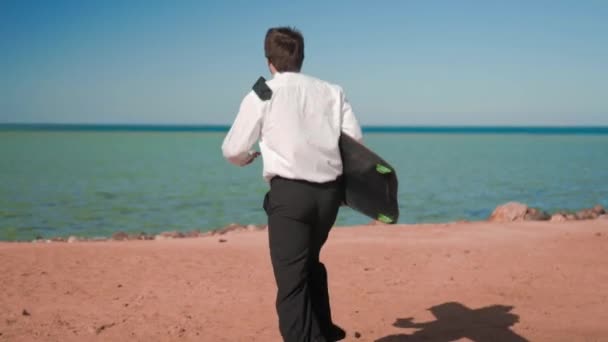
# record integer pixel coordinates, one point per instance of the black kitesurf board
(370, 183)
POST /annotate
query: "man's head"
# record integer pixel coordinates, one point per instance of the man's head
(284, 49)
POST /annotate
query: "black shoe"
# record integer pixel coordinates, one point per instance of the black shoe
(336, 334)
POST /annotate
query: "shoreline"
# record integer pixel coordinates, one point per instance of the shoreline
(376, 129)
(508, 212)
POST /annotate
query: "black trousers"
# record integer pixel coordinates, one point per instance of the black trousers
(300, 216)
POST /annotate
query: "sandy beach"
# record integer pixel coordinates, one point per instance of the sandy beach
(521, 281)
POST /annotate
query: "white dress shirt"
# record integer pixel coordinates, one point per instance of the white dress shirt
(298, 128)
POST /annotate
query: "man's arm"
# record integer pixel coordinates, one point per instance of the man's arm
(350, 125)
(245, 131)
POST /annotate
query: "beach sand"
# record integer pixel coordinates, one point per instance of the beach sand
(534, 281)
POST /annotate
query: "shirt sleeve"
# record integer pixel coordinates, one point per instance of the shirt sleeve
(350, 125)
(244, 132)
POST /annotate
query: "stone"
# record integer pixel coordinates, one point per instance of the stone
(586, 214)
(140, 236)
(558, 218)
(119, 236)
(512, 211)
(192, 234)
(72, 239)
(598, 209)
(603, 217)
(169, 235)
(533, 214)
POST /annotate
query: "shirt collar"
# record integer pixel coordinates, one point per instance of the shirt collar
(284, 73)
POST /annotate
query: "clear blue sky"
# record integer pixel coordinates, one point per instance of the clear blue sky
(400, 62)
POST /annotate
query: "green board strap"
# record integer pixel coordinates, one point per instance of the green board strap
(384, 219)
(383, 169)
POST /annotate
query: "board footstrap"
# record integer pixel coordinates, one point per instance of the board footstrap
(385, 219)
(383, 169)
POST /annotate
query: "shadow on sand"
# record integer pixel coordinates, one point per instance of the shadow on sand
(455, 321)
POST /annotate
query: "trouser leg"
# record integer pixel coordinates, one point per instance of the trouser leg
(328, 206)
(319, 296)
(290, 237)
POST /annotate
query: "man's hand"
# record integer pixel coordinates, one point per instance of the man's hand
(252, 156)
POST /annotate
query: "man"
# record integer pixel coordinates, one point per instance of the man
(298, 126)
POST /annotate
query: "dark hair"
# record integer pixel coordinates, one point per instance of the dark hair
(284, 48)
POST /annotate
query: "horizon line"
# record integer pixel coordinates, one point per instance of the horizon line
(506, 129)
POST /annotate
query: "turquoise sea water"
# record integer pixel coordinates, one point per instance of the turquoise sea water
(93, 183)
